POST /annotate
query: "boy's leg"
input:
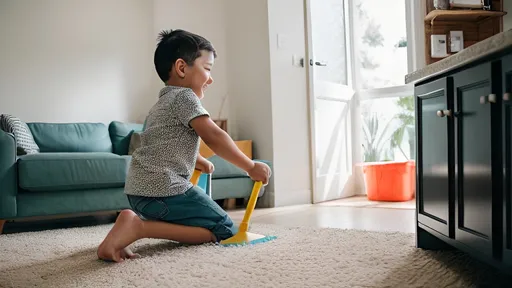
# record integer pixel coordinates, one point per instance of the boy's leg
(130, 228)
(196, 209)
(195, 218)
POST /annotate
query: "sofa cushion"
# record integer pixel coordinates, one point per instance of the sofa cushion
(67, 171)
(120, 135)
(71, 137)
(224, 169)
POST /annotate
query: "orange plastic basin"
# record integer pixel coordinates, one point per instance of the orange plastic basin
(390, 181)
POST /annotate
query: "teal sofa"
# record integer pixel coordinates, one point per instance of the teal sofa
(81, 168)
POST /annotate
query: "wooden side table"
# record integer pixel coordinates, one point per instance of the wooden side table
(244, 145)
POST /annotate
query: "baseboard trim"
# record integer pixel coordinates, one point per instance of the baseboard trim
(292, 198)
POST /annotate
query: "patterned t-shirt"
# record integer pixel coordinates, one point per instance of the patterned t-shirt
(163, 164)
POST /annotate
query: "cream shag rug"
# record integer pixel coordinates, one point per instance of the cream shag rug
(299, 257)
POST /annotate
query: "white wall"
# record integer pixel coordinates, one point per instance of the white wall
(507, 19)
(70, 55)
(289, 102)
(75, 60)
(208, 19)
(249, 79)
(269, 94)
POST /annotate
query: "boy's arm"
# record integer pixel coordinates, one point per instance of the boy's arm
(190, 112)
(220, 142)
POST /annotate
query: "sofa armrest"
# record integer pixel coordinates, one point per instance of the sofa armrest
(224, 169)
(8, 178)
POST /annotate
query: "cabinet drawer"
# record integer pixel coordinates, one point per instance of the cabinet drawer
(506, 72)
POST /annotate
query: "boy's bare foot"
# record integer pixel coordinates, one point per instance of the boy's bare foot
(126, 230)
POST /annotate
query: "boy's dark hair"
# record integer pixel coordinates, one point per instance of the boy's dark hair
(178, 44)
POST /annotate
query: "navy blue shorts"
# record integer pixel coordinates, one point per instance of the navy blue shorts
(192, 208)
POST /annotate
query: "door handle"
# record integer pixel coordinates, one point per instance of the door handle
(442, 113)
(317, 63)
(491, 98)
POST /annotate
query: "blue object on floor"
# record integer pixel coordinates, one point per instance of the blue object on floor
(205, 183)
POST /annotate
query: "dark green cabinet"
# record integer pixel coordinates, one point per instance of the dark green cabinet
(435, 126)
(506, 66)
(474, 100)
(464, 160)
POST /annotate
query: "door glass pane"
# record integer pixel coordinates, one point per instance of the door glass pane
(388, 129)
(328, 35)
(332, 128)
(380, 38)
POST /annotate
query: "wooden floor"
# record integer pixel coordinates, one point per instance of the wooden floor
(362, 201)
(335, 215)
(361, 218)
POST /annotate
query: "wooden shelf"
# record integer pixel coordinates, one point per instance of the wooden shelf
(462, 15)
(476, 25)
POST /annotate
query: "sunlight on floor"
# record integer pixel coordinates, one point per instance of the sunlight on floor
(350, 213)
(362, 201)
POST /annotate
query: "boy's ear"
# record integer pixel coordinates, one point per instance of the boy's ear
(179, 66)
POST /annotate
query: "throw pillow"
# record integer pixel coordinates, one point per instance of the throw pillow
(25, 142)
(134, 142)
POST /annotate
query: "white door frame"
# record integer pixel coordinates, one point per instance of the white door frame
(311, 98)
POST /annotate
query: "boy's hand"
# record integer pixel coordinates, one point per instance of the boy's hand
(260, 172)
(204, 165)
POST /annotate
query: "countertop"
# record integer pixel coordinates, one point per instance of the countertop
(474, 52)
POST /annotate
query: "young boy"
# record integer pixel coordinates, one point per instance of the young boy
(158, 182)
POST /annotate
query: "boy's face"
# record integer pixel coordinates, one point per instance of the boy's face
(198, 77)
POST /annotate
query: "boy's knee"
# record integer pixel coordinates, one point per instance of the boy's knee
(223, 230)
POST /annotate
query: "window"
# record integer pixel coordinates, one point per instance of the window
(388, 129)
(332, 28)
(382, 55)
(380, 44)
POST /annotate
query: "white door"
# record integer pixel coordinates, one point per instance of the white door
(330, 98)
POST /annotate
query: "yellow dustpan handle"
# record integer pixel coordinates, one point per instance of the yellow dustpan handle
(244, 226)
(195, 177)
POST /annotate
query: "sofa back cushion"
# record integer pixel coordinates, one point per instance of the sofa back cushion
(120, 135)
(71, 137)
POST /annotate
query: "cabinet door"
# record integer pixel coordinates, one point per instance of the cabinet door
(435, 193)
(473, 173)
(507, 158)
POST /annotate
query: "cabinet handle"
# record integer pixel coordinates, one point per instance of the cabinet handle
(491, 98)
(506, 96)
(442, 113)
